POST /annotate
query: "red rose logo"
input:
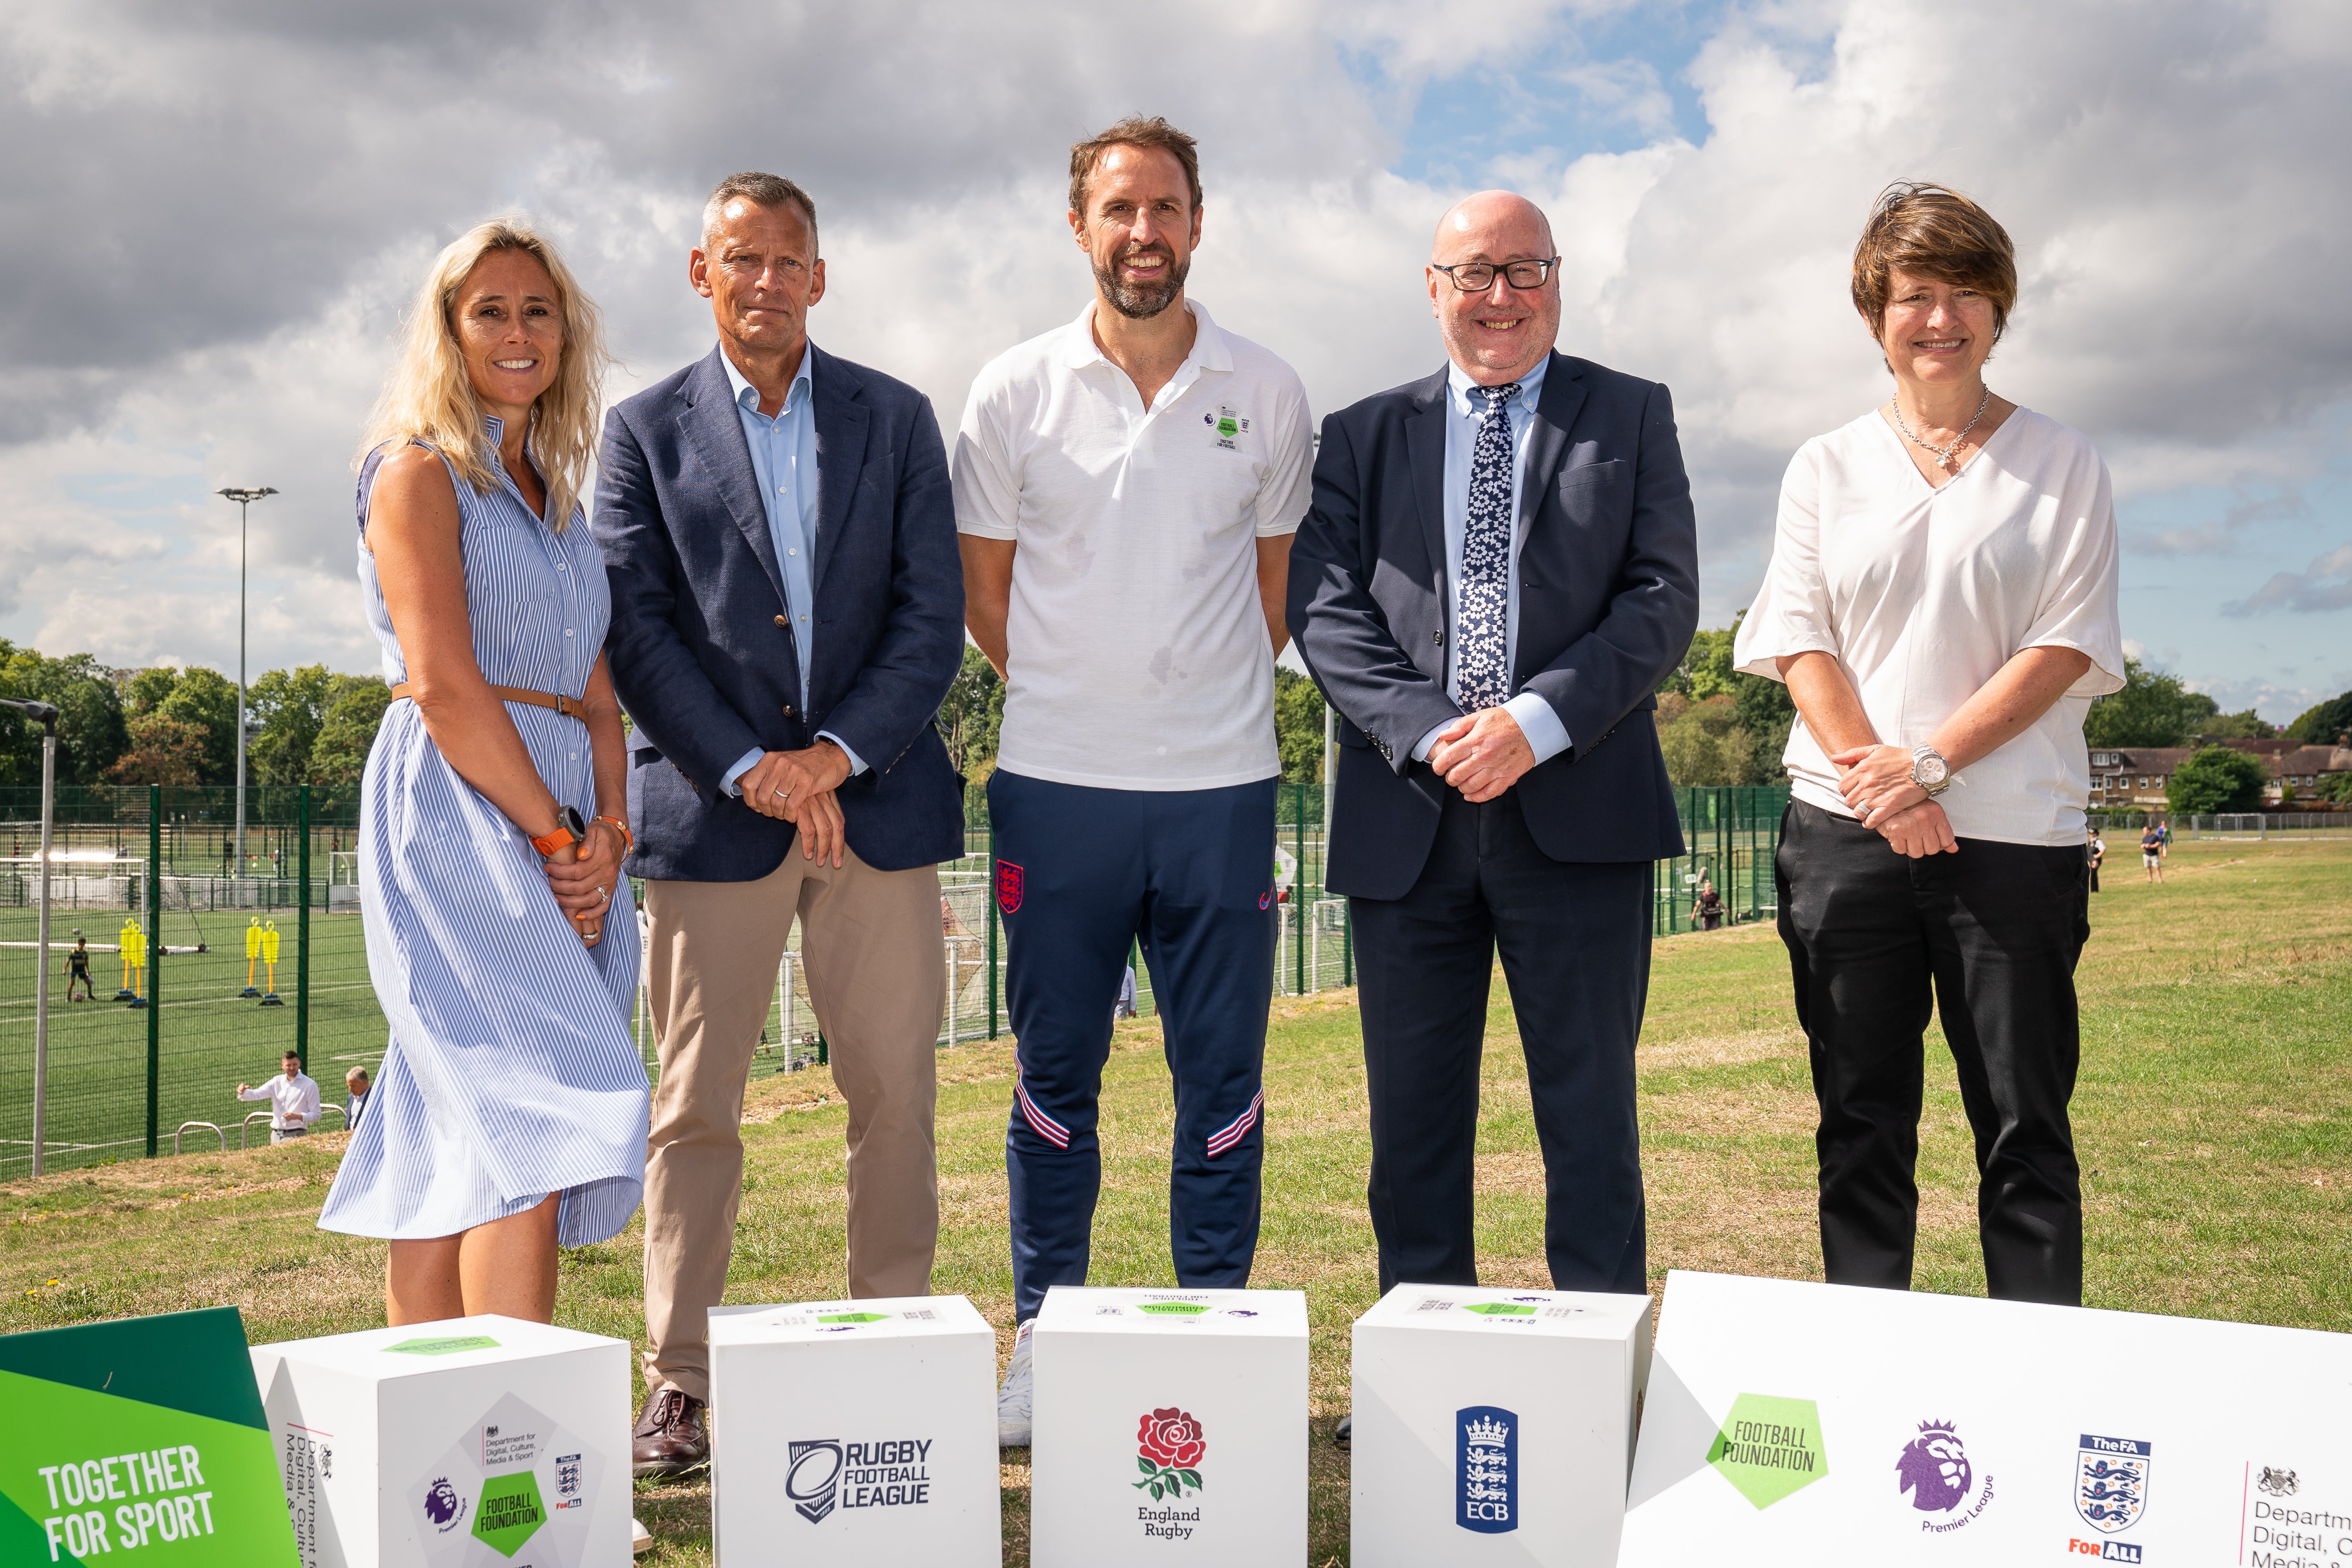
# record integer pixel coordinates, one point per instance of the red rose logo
(1168, 1445)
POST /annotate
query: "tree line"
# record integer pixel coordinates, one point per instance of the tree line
(166, 726)
(162, 725)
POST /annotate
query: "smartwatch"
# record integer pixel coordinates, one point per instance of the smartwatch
(1929, 771)
(569, 829)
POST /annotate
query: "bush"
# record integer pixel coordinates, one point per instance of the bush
(2216, 779)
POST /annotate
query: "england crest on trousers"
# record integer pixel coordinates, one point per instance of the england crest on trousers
(2111, 1481)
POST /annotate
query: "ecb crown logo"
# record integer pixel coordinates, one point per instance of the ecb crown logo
(1487, 1470)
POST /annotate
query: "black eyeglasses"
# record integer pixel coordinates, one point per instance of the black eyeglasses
(1477, 276)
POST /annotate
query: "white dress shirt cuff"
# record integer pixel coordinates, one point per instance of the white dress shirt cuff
(857, 763)
(1547, 736)
(743, 765)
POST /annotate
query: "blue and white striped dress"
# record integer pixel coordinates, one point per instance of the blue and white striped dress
(512, 1073)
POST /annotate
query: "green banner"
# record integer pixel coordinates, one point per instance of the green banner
(140, 1441)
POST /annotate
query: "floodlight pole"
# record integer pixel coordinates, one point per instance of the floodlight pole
(244, 499)
(46, 717)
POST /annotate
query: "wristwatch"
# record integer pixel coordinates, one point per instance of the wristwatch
(569, 829)
(1929, 771)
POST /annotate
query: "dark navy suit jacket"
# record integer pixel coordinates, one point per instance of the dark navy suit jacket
(701, 649)
(1608, 600)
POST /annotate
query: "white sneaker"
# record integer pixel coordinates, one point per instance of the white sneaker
(1012, 1399)
(639, 1537)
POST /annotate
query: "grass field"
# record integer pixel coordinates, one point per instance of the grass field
(211, 1038)
(2214, 1119)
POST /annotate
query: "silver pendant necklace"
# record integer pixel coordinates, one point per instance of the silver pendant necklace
(1943, 454)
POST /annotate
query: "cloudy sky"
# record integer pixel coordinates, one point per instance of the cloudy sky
(216, 213)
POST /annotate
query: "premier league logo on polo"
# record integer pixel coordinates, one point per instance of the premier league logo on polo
(1487, 1470)
(2111, 1481)
(1935, 1468)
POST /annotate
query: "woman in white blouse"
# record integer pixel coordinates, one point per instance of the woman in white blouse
(1941, 603)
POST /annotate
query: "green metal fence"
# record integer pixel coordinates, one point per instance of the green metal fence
(188, 1003)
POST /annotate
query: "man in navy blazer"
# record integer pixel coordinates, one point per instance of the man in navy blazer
(1499, 567)
(787, 614)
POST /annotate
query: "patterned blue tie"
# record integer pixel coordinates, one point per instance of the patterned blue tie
(1482, 665)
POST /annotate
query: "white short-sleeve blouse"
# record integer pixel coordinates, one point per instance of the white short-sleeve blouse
(1924, 594)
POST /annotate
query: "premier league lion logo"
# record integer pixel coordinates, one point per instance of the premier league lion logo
(2111, 1481)
(1935, 1468)
(442, 1505)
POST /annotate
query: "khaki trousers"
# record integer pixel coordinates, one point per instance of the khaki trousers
(870, 950)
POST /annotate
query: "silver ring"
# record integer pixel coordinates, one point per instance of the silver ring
(781, 794)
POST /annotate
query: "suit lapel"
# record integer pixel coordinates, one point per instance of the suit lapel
(1555, 410)
(714, 431)
(841, 422)
(1424, 445)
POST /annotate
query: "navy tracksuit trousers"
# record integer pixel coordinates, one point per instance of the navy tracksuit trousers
(1081, 873)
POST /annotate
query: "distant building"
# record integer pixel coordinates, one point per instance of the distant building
(2132, 777)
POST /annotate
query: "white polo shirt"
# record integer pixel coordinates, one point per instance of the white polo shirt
(1138, 654)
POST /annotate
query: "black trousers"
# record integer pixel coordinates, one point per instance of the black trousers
(1575, 944)
(1993, 933)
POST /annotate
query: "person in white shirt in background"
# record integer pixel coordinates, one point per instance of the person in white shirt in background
(1126, 489)
(1941, 603)
(293, 1100)
(355, 1085)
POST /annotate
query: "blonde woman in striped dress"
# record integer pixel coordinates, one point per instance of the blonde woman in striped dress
(510, 1114)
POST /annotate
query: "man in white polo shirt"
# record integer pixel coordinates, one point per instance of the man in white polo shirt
(1126, 488)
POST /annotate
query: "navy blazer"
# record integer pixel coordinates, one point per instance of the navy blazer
(1608, 600)
(702, 651)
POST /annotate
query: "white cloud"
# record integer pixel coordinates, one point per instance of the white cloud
(223, 318)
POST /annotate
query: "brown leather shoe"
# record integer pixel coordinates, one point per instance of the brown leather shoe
(669, 1439)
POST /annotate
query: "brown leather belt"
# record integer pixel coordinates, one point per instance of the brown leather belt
(567, 706)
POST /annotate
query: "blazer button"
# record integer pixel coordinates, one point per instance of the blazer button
(1438, 637)
(783, 621)
(788, 709)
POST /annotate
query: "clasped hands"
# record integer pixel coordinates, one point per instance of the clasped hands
(582, 877)
(1482, 753)
(798, 787)
(1876, 782)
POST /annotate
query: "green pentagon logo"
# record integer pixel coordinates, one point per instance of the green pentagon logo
(511, 1512)
(1769, 1448)
(1228, 427)
(1500, 1308)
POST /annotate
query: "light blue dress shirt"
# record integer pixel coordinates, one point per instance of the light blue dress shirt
(784, 457)
(1546, 735)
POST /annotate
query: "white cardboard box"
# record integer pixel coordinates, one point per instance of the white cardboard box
(1792, 1424)
(854, 1433)
(1169, 1427)
(1494, 1426)
(476, 1443)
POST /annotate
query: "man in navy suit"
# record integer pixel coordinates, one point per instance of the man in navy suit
(787, 614)
(1499, 566)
